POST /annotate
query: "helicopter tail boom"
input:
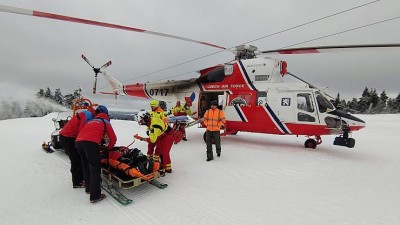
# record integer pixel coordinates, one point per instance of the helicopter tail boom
(117, 87)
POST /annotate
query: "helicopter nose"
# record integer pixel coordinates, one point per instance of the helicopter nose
(356, 124)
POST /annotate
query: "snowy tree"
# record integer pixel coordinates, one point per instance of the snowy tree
(16, 110)
(40, 94)
(5, 110)
(353, 105)
(48, 94)
(374, 98)
(337, 100)
(58, 98)
(383, 97)
(365, 101)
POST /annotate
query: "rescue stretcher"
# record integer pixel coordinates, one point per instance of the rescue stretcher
(126, 182)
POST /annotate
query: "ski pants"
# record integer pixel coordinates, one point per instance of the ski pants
(210, 136)
(163, 147)
(68, 144)
(90, 156)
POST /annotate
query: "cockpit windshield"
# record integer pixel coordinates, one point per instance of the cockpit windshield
(323, 103)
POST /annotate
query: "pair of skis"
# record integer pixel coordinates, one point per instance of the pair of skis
(114, 192)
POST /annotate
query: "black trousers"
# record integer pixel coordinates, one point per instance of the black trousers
(68, 144)
(90, 155)
(210, 136)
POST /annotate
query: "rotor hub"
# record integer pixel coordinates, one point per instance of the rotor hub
(246, 52)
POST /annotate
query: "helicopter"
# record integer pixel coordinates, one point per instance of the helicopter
(253, 90)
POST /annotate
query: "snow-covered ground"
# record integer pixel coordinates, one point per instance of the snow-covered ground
(259, 179)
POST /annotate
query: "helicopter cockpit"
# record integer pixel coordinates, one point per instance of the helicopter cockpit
(323, 104)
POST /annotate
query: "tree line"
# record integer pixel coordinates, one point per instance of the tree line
(58, 98)
(369, 103)
(45, 102)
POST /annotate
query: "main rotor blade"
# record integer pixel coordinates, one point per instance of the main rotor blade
(326, 49)
(87, 60)
(105, 65)
(28, 12)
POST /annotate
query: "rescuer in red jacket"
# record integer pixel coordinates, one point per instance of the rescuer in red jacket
(88, 144)
(68, 135)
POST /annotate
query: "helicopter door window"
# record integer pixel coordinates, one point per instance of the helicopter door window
(304, 102)
(305, 117)
(239, 100)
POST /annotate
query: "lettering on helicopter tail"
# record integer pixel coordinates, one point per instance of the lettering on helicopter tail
(285, 102)
(158, 91)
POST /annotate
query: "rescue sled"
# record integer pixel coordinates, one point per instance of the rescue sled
(124, 168)
(80, 105)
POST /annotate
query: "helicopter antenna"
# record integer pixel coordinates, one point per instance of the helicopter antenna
(96, 71)
(311, 86)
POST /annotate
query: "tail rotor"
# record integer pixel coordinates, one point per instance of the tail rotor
(96, 71)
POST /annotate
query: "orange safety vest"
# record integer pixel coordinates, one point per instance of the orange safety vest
(213, 119)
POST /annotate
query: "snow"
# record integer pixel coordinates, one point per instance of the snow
(259, 179)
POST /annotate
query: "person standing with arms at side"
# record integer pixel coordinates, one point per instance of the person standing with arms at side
(213, 118)
(88, 144)
(68, 135)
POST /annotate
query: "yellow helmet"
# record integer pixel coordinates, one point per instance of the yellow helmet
(154, 103)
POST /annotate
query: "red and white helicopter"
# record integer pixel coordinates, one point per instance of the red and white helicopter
(254, 91)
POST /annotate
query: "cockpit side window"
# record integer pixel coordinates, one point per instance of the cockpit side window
(323, 103)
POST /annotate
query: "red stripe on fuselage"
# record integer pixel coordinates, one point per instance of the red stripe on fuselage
(136, 90)
(84, 21)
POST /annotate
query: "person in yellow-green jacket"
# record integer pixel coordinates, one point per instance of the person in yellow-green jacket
(160, 137)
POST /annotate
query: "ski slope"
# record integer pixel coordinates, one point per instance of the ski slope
(259, 179)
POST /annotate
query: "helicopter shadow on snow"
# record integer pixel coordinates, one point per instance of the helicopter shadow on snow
(272, 144)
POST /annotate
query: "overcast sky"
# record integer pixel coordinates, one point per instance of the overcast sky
(37, 52)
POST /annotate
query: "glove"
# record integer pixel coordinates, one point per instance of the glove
(137, 136)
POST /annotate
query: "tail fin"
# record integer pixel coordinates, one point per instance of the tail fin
(118, 87)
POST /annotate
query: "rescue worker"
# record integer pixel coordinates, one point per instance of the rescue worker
(68, 135)
(88, 144)
(156, 112)
(180, 110)
(160, 136)
(213, 118)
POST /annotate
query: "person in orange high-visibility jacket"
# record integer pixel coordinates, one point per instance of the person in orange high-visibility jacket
(213, 118)
(161, 137)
